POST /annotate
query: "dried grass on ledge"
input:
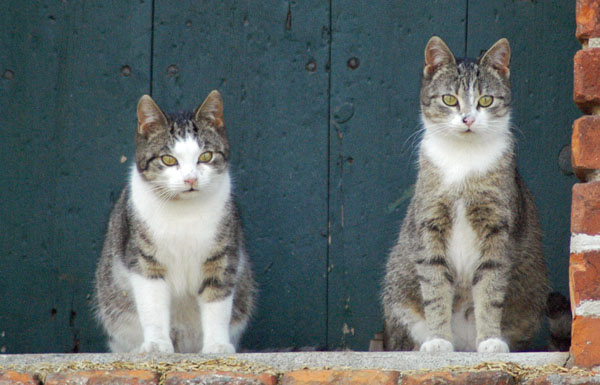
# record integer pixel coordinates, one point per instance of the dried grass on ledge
(230, 364)
(519, 372)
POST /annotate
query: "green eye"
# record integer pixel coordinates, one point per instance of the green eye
(168, 160)
(486, 101)
(205, 157)
(449, 100)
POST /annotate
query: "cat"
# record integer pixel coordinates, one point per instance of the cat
(467, 272)
(173, 275)
(559, 322)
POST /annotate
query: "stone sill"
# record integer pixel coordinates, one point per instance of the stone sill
(284, 362)
(294, 368)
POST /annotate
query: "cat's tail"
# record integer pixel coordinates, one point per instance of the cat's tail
(558, 310)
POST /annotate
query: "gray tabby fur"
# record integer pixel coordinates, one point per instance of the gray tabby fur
(427, 295)
(130, 248)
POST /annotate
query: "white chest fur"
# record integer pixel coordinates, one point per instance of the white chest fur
(464, 254)
(463, 246)
(457, 158)
(183, 231)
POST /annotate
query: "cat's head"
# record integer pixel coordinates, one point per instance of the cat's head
(181, 155)
(466, 99)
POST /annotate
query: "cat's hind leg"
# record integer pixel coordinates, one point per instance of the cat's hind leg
(396, 337)
(115, 307)
(243, 304)
(236, 330)
(126, 336)
(406, 329)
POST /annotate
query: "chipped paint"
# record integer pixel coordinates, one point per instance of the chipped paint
(347, 330)
(406, 194)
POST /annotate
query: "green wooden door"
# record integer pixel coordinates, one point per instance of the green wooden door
(321, 105)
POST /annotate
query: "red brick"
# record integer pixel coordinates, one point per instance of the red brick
(219, 378)
(587, 16)
(11, 377)
(585, 343)
(586, 78)
(584, 277)
(585, 144)
(449, 378)
(562, 379)
(585, 208)
(340, 377)
(98, 377)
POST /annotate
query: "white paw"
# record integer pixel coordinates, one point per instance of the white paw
(218, 348)
(493, 345)
(158, 346)
(437, 345)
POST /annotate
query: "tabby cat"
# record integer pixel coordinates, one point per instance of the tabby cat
(173, 274)
(559, 322)
(467, 272)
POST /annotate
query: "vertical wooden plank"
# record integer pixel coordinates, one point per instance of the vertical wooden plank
(541, 35)
(68, 114)
(26, 157)
(377, 58)
(268, 59)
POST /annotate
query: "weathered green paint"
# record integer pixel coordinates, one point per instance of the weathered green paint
(65, 122)
(321, 106)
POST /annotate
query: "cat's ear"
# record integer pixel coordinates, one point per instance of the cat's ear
(211, 110)
(437, 54)
(150, 117)
(498, 57)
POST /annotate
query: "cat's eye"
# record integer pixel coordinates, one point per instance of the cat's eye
(168, 160)
(205, 157)
(486, 101)
(449, 100)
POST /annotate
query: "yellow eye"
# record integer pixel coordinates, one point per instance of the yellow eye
(486, 101)
(450, 100)
(168, 160)
(205, 157)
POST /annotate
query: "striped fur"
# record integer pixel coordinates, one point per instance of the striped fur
(173, 274)
(467, 272)
(559, 322)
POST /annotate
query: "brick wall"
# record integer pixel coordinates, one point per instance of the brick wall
(584, 269)
(300, 377)
(498, 376)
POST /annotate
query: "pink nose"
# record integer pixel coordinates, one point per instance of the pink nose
(191, 181)
(468, 120)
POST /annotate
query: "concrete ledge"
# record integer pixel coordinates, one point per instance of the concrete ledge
(305, 368)
(283, 362)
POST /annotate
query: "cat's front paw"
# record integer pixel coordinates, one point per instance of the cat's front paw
(437, 345)
(157, 346)
(218, 348)
(493, 345)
